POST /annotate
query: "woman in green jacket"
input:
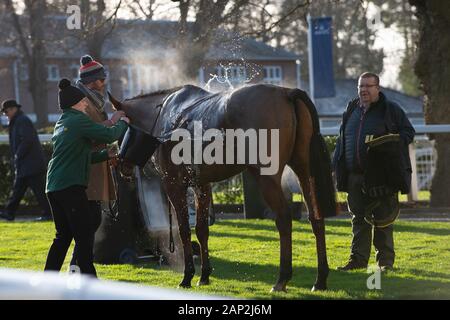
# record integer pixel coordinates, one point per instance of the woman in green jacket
(68, 175)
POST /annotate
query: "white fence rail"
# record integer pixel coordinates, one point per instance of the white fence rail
(422, 153)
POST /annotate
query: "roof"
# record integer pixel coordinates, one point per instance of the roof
(233, 47)
(346, 90)
(155, 39)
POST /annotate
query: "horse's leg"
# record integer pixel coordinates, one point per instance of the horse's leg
(273, 195)
(317, 224)
(177, 195)
(203, 195)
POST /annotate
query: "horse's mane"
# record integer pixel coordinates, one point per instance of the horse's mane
(155, 93)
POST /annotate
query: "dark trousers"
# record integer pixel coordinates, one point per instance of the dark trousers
(383, 238)
(70, 209)
(95, 216)
(21, 184)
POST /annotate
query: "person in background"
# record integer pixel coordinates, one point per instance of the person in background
(68, 176)
(371, 114)
(28, 161)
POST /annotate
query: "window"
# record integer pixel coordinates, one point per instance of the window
(52, 72)
(272, 75)
(236, 74)
(74, 72)
(127, 82)
(148, 78)
(138, 79)
(23, 72)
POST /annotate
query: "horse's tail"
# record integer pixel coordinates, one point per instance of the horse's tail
(319, 157)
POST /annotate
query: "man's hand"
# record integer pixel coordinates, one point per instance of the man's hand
(116, 116)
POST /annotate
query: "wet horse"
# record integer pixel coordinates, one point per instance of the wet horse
(301, 147)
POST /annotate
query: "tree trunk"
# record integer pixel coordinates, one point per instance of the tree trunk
(433, 69)
(193, 43)
(96, 29)
(37, 64)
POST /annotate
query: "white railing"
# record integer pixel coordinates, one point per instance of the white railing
(420, 129)
(422, 153)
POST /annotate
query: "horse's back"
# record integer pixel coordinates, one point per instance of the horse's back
(188, 105)
(261, 106)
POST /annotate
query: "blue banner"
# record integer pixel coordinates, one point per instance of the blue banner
(321, 47)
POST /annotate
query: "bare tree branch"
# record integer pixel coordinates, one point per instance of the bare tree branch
(280, 20)
(152, 7)
(100, 25)
(18, 27)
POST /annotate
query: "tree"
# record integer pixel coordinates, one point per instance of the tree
(98, 22)
(353, 45)
(194, 39)
(432, 66)
(148, 10)
(31, 41)
(96, 25)
(401, 14)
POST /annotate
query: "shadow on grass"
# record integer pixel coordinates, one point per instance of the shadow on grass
(242, 236)
(431, 231)
(432, 274)
(253, 237)
(245, 224)
(393, 286)
(7, 259)
(443, 231)
(255, 226)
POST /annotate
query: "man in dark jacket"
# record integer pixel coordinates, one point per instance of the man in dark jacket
(28, 161)
(370, 115)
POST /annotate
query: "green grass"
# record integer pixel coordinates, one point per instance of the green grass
(342, 197)
(244, 255)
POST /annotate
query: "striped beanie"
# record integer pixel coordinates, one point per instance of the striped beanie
(91, 70)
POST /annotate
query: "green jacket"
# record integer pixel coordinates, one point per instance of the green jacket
(72, 156)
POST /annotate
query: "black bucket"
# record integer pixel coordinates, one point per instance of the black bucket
(137, 146)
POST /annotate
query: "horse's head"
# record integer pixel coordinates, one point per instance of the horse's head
(143, 110)
(139, 143)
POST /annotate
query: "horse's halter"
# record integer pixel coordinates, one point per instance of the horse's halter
(126, 167)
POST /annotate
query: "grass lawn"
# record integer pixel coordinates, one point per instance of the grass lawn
(244, 255)
(342, 196)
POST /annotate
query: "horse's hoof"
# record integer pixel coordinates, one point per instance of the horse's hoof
(279, 288)
(203, 282)
(319, 287)
(184, 285)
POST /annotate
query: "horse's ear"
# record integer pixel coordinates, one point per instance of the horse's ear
(117, 105)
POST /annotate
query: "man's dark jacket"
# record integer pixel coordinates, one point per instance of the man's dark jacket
(395, 121)
(28, 156)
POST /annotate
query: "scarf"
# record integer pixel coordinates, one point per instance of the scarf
(94, 96)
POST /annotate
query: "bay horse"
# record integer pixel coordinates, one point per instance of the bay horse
(262, 106)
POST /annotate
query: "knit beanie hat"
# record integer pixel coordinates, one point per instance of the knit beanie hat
(68, 94)
(91, 70)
